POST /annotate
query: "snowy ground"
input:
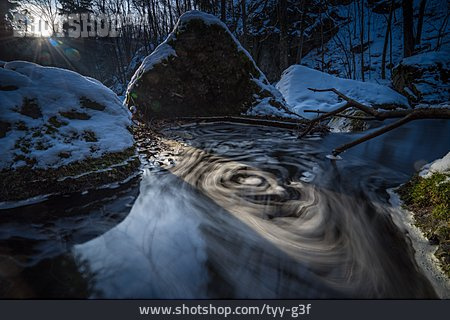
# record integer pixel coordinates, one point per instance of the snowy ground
(54, 117)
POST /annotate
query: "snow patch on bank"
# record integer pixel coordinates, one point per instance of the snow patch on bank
(424, 252)
(428, 59)
(438, 166)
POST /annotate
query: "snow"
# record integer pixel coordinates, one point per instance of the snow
(440, 165)
(263, 106)
(296, 80)
(428, 59)
(162, 52)
(56, 91)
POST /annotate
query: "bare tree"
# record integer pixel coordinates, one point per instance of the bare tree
(361, 31)
(223, 10)
(422, 6)
(45, 10)
(284, 49)
(386, 40)
(244, 18)
(408, 31)
(302, 33)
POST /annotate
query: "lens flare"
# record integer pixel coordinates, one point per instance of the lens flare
(72, 54)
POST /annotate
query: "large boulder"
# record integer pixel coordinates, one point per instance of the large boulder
(59, 132)
(423, 78)
(199, 70)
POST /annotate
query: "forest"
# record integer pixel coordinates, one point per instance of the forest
(224, 149)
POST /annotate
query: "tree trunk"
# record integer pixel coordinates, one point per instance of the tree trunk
(408, 24)
(244, 19)
(362, 39)
(223, 10)
(386, 40)
(302, 30)
(284, 50)
(420, 21)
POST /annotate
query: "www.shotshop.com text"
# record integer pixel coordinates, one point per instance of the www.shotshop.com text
(292, 312)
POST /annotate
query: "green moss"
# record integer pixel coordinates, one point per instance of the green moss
(75, 115)
(40, 146)
(37, 134)
(49, 129)
(26, 181)
(429, 200)
(64, 155)
(55, 122)
(433, 191)
(23, 145)
(30, 108)
(87, 103)
(20, 125)
(19, 157)
(89, 136)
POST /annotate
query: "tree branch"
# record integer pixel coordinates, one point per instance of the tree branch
(342, 115)
(374, 134)
(287, 124)
(405, 115)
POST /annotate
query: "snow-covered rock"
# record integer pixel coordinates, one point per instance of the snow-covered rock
(296, 81)
(438, 166)
(424, 77)
(54, 119)
(201, 69)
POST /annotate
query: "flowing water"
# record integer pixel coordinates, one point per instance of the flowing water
(242, 212)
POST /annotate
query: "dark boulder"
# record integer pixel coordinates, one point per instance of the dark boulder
(199, 70)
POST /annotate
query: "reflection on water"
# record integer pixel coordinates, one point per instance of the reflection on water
(36, 240)
(251, 212)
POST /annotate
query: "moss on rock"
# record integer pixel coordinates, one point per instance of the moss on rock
(429, 200)
(75, 115)
(30, 108)
(26, 182)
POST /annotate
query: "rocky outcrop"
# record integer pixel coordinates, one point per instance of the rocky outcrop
(59, 132)
(423, 78)
(199, 70)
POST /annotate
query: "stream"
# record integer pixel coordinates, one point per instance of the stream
(240, 212)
